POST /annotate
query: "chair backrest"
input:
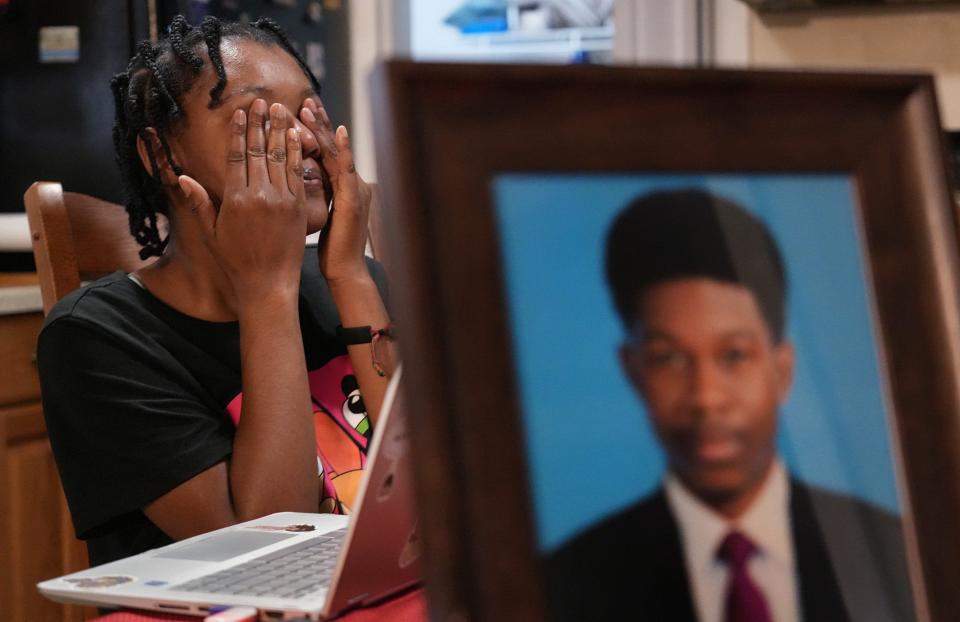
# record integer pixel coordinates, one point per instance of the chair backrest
(77, 237)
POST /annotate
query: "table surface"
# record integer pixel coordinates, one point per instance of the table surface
(408, 607)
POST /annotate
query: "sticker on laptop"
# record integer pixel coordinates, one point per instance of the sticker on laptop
(99, 582)
(294, 528)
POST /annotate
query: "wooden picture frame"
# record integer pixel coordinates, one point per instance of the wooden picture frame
(445, 131)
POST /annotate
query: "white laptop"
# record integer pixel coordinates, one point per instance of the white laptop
(287, 565)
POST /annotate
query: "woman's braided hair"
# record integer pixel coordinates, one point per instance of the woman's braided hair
(149, 94)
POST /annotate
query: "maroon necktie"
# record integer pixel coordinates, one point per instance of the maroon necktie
(745, 601)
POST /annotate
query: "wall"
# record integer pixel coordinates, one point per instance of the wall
(430, 38)
(925, 39)
(379, 29)
(657, 32)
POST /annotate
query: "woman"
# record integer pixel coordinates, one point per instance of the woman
(212, 386)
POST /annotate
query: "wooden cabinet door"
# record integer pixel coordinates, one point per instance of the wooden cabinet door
(37, 537)
(36, 534)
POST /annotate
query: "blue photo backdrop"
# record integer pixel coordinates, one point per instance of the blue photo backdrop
(590, 449)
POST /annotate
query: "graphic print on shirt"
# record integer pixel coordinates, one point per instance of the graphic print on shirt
(342, 432)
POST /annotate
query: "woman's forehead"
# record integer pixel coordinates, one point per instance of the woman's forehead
(251, 65)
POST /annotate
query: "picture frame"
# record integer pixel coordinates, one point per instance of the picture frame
(447, 132)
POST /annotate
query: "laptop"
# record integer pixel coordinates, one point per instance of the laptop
(287, 565)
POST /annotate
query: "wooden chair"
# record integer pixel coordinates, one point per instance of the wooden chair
(77, 238)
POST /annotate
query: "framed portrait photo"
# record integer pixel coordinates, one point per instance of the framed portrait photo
(680, 344)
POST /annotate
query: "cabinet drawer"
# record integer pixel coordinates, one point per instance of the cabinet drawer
(18, 345)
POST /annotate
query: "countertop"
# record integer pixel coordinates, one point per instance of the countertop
(14, 233)
(19, 293)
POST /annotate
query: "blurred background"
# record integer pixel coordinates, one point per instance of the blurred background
(56, 114)
(57, 56)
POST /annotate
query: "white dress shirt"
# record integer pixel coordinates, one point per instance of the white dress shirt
(766, 522)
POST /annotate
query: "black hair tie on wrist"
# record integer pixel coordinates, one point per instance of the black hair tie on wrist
(359, 335)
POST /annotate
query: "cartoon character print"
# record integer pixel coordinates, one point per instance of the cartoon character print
(342, 432)
(354, 410)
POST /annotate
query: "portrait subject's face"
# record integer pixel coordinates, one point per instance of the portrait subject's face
(704, 361)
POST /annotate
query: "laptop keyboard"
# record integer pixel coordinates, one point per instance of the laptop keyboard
(291, 572)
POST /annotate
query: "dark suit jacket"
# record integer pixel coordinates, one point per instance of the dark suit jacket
(850, 564)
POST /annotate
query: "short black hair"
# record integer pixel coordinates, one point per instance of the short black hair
(149, 94)
(689, 233)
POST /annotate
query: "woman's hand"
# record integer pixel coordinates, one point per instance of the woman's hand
(257, 235)
(344, 236)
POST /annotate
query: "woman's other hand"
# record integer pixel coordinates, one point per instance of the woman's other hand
(344, 237)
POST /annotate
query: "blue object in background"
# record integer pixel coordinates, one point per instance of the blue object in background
(477, 16)
(590, 449)
(479, 26)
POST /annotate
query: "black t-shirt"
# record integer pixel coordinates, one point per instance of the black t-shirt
(140, 398)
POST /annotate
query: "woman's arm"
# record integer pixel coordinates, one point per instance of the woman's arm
(341, 255)
(257, 239)
(359, 303)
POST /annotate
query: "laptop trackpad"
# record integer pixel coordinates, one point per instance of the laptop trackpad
(223, 546)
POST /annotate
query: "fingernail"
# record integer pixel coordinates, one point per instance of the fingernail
(308, 116)
(184, 187)
(293, 134)
(343, 128)
(260, 106)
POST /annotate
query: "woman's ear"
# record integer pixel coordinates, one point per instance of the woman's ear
(148, 144)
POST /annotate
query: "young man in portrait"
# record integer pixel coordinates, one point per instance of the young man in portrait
(730, 535)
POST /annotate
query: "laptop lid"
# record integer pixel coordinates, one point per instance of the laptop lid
(382, 546)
